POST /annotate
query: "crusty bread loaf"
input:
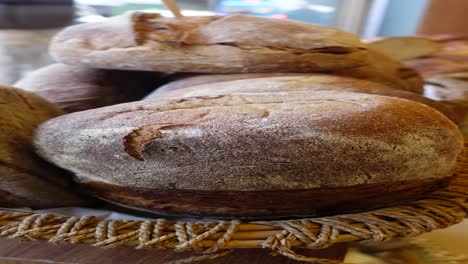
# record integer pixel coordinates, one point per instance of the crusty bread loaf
(452, 57)
(436, 65)
(185, 80)
(405, 47)
(25, 179)
(454, 48)
(256, 155)
(236, 43)
(452, 90)
(75, 88)
(296, 83)
(450, 87)
(388, 71)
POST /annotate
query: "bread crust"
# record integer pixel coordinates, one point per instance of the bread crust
(405, 47)
(25, 179)
(187, 80)
(75, 88)
(437, 65)
(276, 141)
(266, 204)
(385, 70)
(237, 43)
(218, 84)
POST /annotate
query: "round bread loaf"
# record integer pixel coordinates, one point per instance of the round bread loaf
(75, 88)
(230, 44)
(291, 83)
(267, 155)
(25, 179)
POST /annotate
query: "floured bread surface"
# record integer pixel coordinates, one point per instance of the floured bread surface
(295, 83)
(25, 179)
(244, 142)
(186, 80)
(236, 43)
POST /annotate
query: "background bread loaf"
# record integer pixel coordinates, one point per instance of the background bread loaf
(405, 47)
(75, 88)
(25, 179)
(230, 44)
(385, 70)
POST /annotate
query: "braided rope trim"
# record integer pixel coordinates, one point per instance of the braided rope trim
(213, 239)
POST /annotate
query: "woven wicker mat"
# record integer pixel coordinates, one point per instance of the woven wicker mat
(212, 239)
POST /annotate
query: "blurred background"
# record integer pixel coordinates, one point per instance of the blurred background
(27, 25)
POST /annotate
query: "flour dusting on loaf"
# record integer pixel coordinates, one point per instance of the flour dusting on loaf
(270, 141)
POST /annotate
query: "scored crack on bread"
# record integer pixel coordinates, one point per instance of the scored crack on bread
(25, 179)
(298, 83)
(235, 43)
(75, 88)
(177, 155)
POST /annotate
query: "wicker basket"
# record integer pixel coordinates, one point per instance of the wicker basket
(213, 238)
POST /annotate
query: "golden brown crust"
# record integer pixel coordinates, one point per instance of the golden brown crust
(31, 181)
(75, 88)
(269, 141)
(235, 43)
(405, 47)
(385, 70)
(436, 65)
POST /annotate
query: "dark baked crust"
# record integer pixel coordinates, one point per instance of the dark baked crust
(25, 179)
(267, 204)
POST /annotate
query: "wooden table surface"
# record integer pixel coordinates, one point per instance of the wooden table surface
(13, 251)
